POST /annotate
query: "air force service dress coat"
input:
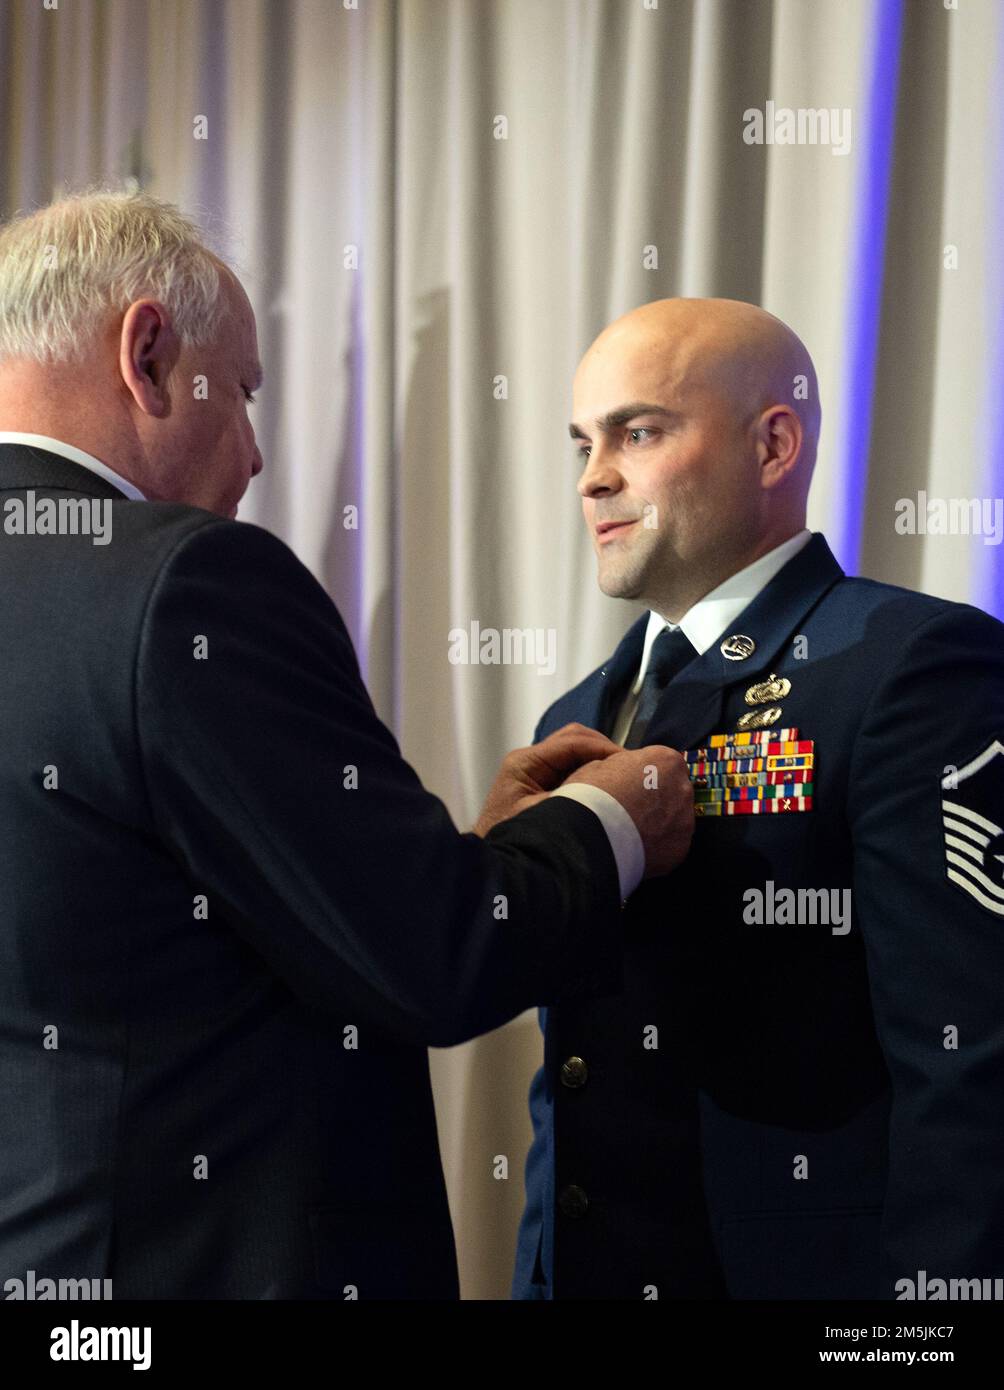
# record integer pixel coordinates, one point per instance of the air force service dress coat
(785, 1100)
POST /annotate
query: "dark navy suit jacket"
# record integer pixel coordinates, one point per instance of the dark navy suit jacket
(232, 920)
(822, 1114)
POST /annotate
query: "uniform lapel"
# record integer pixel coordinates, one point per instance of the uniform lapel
(610, 683)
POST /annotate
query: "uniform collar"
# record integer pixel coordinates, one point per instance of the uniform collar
(769, 622)
(49, 445)
(713, 615)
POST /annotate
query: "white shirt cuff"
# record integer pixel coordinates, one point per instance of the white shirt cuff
(625, 841)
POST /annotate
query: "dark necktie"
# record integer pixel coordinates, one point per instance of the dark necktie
(671, 651)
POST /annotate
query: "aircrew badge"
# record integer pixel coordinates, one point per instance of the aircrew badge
(972, 803)
(752, 773)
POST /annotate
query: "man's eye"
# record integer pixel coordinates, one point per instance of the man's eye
(640, 429)
(249, 396)
(583, 451)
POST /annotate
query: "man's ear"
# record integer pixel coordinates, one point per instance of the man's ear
(148, 350)
(778, 444)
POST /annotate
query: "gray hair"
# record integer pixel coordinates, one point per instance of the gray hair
(65, 268)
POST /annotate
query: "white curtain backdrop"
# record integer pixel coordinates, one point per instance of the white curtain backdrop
(426, 197)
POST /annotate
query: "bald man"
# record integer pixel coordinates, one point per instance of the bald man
(797, 1092)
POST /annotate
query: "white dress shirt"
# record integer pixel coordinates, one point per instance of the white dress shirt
(75, 455)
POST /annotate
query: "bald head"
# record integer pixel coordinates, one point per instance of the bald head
(698, 422)
(738, 350)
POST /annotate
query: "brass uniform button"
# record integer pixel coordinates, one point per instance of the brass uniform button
(574, 1073)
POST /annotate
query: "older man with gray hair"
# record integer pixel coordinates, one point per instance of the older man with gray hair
(233, 918)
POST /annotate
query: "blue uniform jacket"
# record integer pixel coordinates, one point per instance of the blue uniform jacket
(786, 1110)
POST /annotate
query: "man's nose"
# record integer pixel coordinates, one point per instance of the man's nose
(258, 464)
(599, 477)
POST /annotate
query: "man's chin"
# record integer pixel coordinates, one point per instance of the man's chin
(620, 585)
